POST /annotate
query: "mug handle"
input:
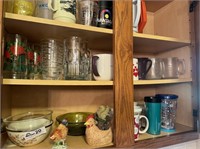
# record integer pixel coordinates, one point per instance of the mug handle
(147, 124)
(94, 65)
(149, 66)
(182, 63)
(50, 5)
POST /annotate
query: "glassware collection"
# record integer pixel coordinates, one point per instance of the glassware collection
(51, 59)
(87, 12)
(146, 68)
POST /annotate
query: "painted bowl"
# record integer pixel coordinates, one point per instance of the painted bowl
(75, 121)
(30, 128)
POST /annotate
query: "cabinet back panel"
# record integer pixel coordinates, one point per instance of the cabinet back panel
(173, 20)
(60, 99)
(149, 27)
(5, 101)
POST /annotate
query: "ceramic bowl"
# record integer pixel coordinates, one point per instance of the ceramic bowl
(76, 122)
(30, 128)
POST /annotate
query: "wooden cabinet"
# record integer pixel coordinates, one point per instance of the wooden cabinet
(167, 33)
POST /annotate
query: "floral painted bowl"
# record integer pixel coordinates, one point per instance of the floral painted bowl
(30, 128)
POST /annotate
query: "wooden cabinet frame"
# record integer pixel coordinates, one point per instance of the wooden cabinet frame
(123, 90)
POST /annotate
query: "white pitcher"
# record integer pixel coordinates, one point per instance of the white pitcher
(64, 10)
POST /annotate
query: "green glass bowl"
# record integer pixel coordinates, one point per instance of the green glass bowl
(75, 121)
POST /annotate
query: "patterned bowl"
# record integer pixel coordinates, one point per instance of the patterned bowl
(30, 128)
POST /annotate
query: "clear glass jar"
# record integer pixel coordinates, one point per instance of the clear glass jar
(52, 59)
(77, 61)
(168, 111)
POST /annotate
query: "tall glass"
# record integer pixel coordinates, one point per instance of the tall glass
(77, 61)
(15, 61)
(52, 59)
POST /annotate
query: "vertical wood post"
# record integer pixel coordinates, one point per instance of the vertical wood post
(123, 76)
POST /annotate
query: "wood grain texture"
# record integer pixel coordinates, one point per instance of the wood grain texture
(167, 140)
(123, 79)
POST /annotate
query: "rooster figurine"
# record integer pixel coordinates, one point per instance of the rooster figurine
(96, 136)
(59, 135)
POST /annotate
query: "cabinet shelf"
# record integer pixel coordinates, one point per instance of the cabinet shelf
(87, 83)
(40, 28)
(79, 141)
(72, 142)
(179, 129)
(44, 28)
(146, 43)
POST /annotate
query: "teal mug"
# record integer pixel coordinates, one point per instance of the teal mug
(153, 113)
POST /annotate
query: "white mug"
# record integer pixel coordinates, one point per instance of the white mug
(135, 69)
(137, 125)
(102, 67)
(137, 130)
(64, 10)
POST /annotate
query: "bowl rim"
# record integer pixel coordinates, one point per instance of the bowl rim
(11, 130)
(59, 116)
(6, 120)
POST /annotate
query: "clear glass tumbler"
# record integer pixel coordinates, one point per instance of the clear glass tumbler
(15, 60)
(77, 61)
(52, 59)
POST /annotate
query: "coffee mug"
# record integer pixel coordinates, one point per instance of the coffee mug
(42, 9)
(64, 10)
(102, 67)
(173, 67)
(156, 70)
(137, 125)
(144, 65)
(135, 69)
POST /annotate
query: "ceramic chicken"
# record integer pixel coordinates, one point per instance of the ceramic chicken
(60, 132)
(96, 136)
(103, 117)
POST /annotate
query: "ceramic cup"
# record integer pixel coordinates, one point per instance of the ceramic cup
(135, 69)
(138, 122)
(42, 9)
(102, 67)
(64, 10)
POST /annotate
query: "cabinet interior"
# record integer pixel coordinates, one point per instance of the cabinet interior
(171, 20)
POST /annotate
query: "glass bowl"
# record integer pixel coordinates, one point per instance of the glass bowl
(75, 121)
(29, 128)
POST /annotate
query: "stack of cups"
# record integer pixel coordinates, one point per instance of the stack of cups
(52, 59)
